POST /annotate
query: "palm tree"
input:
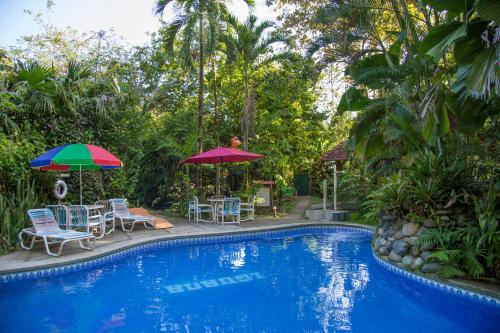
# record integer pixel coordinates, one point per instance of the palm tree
(251, 44)
(199, 26)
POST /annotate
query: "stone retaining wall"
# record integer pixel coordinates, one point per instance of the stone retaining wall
(396, 241)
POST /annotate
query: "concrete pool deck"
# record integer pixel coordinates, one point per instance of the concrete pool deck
(22, 260)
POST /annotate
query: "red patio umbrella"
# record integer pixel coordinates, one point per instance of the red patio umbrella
(222, 155)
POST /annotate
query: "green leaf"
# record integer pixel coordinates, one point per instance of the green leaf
(352, 100)
(453, 6)
(466, 49)
(440, 37)
(489, 10)
(484, 73)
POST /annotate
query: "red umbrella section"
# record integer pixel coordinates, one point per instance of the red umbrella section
(222, 155)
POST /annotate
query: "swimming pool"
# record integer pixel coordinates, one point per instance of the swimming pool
(304, 280)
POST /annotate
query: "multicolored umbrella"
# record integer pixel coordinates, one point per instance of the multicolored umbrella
(76, 157)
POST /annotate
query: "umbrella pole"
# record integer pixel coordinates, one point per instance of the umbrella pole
(81, 193)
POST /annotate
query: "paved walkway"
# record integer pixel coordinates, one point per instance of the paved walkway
(299, 210)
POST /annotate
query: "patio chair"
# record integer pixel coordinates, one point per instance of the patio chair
(249, 208)
(80, 218)
(197, 210)
(121, 212)
(230, 208)
(106, 204)
(108, 215)
(61, 214)
(47, 228)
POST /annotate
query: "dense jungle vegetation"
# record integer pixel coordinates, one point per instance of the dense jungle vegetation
(417, 83)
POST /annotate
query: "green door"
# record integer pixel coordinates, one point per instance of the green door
(301, 183)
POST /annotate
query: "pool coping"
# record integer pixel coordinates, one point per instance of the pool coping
(28, 272)
(132, 243)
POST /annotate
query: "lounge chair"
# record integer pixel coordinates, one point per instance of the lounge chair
(121, 213)
(46, 227)
(249, 208)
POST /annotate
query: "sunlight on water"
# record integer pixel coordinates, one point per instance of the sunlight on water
(317, 282)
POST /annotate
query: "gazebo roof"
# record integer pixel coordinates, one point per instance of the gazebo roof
(338, 153)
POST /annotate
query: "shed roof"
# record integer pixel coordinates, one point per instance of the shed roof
(338, 153)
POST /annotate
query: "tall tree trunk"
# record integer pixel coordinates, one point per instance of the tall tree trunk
(201, 86)
(244, 125)
(244, 119)
(216, 114)
(216, 100)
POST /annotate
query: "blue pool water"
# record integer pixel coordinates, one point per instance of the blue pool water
(315, 281)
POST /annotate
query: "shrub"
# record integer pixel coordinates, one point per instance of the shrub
(14, 206)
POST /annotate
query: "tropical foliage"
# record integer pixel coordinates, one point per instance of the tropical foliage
(142, 104)
(423, 81)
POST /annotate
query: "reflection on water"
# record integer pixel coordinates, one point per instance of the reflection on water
(343, 279)
(313, 283)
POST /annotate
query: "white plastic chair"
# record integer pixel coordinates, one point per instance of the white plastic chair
(121, 212)
(230, 208)
(197, 210)
(249, 209)
(108, 215)
(47, 228)
(61, 214)
(80, 218)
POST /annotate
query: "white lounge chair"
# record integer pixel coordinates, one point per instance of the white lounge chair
(229, 209)
(121, 212)
(46, 227)
(249, 209)
(197, 210)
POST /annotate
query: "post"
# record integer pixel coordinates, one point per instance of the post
(324, 195)
(81, 193)
(335, 186)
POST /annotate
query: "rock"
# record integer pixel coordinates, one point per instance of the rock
(407, 261)
(399, 235)
(444, 218)
(432, 267)
(409, 229)
(383, 251)
(376, 244)
(391, 239)
(426, 247)
(389, 246)
(461, 221)
(388, 220)
(421, 230)
(425, 255)
(430, 223)
(417, 263)
(380, 231)
(383, 242)
(393, 256)
(410, 240)
(400, 247)
(415, 251)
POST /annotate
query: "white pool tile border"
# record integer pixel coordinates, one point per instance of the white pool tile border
(283, 232)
